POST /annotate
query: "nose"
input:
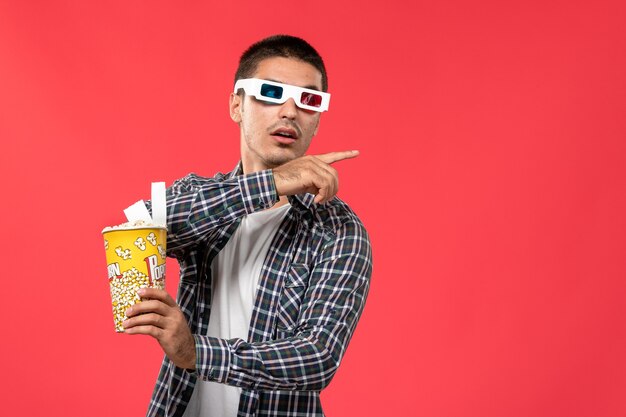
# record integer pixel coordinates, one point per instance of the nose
(288, 109)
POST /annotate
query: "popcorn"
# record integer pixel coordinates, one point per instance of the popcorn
(136, 256)
(135, 253)
(124, 293)
(131, 225)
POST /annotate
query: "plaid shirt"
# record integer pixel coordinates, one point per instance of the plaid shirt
(311, 293)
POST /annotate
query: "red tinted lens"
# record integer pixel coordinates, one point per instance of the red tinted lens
(310, 99)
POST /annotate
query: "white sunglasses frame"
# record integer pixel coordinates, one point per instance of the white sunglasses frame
(252, 87)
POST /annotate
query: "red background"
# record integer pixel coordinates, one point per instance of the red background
(491, 179)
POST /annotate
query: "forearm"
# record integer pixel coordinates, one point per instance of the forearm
(297, 363)
(196, 205)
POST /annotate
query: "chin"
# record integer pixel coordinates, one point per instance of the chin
(282, 158)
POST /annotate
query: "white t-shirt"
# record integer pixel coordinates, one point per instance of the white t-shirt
(235, 270)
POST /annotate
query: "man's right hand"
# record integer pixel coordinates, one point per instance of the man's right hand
(312, 174)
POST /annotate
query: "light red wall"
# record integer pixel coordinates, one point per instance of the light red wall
(491, 180)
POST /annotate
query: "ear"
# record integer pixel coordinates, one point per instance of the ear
(235, 104)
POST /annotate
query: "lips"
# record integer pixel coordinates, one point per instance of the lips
(285, 132)
(285, 135)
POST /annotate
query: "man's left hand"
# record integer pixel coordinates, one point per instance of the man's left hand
(160, 317)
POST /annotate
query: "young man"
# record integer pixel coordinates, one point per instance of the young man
(274, 269)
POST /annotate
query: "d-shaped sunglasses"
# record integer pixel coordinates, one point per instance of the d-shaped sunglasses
(274, 92)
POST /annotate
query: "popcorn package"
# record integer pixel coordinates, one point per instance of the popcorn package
(135, 254)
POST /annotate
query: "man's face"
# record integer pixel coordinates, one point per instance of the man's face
(264, 126)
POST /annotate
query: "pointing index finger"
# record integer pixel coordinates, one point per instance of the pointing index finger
(332, 157)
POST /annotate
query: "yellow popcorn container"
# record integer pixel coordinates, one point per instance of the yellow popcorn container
(135, 259)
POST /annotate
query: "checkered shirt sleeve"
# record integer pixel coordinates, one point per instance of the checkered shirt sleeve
(197, 205)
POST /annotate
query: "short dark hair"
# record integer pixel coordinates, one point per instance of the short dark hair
(285, 46)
